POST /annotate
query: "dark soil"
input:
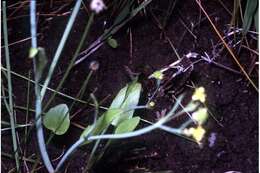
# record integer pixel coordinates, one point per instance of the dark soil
(230, 97)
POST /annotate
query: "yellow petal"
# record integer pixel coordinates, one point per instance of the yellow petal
(198, 133)
(199, 94)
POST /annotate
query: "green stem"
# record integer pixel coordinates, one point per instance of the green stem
(61, 46)
(73, 59)
(17, 126)
(81, 92)
(9, 81)
(80, 141)
(52, 90)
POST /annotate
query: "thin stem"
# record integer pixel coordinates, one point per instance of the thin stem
(17, 126)
(81, 140)
(82, 90)
(112, 30)
(9, 81)
(27, 108)
(93, 151)
(73, 59)
(61, 46)
(38, 104)
(120, 136)
(70, 151)
(137, 132)
(52, 90)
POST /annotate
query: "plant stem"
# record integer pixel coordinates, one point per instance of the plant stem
(9, 81)
(81, 140)
(60, 47)
(81, 92)
(73, 59)
(38, 103)
(52, 90)
(71, 150)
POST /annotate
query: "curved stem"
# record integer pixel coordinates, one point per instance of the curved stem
(90, 20)
(79, 142)
(38, 104)
(137, 132)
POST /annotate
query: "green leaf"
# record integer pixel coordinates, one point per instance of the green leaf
(124, 13)
(132, 95)
(57, 119)
(127, 98)
(127, 125)
(256, 17)
(86, 132)
(251, 8)
(112, 42)
(119, 99)
(103, 122)
(157, 75)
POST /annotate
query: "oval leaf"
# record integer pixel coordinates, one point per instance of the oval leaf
(127, 125)
(112, 43)
(57, 119)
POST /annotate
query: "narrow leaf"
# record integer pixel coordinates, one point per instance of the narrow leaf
(250, 11)
(131, 100)
(119, 99)
(256, 17)
(124, 13)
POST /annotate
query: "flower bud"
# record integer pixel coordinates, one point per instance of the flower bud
(94, 65)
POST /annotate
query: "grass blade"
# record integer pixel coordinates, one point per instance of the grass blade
(251, 7)
(9, 81)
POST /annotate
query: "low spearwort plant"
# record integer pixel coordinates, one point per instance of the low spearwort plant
(158, 91)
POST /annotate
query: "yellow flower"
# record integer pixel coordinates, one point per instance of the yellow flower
(197, 133)
(200, 116)
(199, 94)
(157, 75)
(151, 104)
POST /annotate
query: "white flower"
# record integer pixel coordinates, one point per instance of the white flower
(97, 6)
